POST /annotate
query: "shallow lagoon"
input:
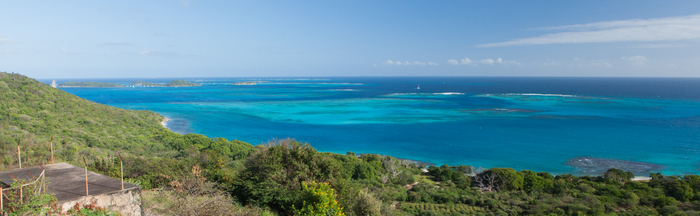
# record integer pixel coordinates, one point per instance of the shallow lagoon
(525, 123)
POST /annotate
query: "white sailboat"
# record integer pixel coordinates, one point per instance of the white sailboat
(418, 87)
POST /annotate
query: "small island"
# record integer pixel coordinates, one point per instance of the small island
(181, 83)
(246, 83)
(89, 84)
(144, 83)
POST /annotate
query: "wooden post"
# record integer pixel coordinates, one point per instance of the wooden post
(2, 203)
(43, 176)
(51, 143)
(86, 178)
(19, 156)
(121, 167)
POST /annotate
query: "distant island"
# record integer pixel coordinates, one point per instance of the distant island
(89, 84)
(246, 83)
(181, 83)
(174, 83)
(144, 83)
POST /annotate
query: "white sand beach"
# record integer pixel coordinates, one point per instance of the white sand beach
(641, 178)
(165, 122)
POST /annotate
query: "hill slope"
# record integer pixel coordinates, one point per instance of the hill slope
(34, 112)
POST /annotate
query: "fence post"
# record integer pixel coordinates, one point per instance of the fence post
(19, 156)
(43, 176)
(51, 143)
(121, 167)
(86, 178)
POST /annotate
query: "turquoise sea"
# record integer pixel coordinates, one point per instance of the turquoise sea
(525, 123)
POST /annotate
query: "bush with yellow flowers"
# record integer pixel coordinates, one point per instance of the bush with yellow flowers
(318, 200)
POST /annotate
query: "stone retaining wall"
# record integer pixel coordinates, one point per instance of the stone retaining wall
(126, 202)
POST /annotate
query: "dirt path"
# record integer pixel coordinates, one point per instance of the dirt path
(410, 186)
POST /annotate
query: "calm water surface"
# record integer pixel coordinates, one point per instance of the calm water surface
(525, 123)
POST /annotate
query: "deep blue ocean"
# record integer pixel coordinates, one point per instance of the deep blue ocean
(524, 123)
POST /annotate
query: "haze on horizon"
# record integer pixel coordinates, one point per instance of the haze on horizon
(88, 39)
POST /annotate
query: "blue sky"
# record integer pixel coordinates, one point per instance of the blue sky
(153, 38)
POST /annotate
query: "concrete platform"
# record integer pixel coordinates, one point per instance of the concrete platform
(67, 183)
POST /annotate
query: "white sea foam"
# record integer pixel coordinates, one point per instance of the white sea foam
(343, 89)
(546, 95)
(165, 122)
(423, 94)
(526, 94)
(296, 79)
(449, 93)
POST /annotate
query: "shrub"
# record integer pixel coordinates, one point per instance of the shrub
(24, 117)
(618, 175)
(318, 200)
(33, 200)
(509, 178)
(367, 204)
(192, 194)
(273, 176)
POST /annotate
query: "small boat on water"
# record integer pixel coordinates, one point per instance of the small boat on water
(418, 87)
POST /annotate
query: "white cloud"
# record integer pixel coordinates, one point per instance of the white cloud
(407, 63)
(661, 29)
(636, 60)
(487, 61)
(467, 61)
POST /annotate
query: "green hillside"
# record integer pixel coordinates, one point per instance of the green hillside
(33, 112)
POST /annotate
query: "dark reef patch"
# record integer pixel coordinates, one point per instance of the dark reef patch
(503, 110)
(590, 102)
(598, 166)
(562, 117)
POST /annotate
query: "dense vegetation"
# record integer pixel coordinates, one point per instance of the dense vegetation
(89, 84)
(32, 113)
(200, 175)
(178, 83)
